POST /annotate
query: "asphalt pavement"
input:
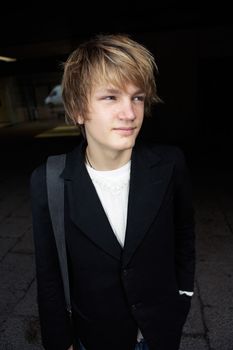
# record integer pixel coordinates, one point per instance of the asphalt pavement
(210, 322)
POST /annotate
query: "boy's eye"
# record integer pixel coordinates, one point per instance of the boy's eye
(139, 98)
(110, 98)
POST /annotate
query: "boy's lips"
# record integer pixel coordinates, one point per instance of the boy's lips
(125, 130)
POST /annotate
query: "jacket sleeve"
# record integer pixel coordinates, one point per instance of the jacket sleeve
(184, 224)
(54, 319)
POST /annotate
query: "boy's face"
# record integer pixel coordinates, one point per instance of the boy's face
(115, 118)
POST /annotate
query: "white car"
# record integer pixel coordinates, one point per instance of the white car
(54, 99)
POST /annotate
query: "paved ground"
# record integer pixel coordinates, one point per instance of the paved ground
(210, 322)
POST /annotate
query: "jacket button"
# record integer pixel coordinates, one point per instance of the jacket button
(133, 307)
(125, 272)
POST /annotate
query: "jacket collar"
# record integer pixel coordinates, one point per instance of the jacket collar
(148, 182)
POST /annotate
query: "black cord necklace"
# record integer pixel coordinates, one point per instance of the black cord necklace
(88, 161)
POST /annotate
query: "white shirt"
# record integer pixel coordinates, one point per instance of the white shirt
(112, 187)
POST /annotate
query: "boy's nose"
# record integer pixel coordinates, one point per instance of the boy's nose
(127, 111)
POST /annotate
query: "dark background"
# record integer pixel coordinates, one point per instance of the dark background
(192, 47)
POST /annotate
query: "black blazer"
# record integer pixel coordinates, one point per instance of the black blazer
(115, 291)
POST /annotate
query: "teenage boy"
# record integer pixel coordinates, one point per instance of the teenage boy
(128, 213)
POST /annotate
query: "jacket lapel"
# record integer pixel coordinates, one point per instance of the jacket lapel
(85, 208)
(148, 184)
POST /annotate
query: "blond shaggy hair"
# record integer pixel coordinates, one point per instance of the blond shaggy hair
(114, 59)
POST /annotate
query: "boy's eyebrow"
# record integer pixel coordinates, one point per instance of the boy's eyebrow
(117, 91)
(110, 91)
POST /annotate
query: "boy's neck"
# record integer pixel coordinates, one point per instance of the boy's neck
(105, 161)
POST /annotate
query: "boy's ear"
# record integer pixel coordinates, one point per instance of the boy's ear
(80, 119)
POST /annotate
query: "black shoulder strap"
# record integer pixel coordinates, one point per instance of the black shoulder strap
(55, 189)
